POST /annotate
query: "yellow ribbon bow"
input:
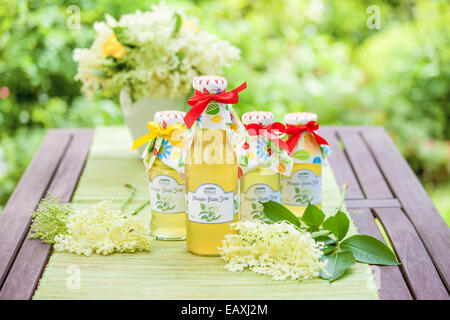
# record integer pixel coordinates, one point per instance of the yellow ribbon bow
(171, 133)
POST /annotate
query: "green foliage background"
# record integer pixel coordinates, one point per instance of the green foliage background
(300, 55)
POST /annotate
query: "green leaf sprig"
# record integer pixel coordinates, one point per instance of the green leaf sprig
(340, 253)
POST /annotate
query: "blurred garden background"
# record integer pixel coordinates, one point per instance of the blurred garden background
(296, 55)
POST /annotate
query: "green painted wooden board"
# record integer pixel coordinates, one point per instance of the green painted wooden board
(169, 271)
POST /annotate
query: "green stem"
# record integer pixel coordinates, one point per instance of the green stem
(130, 197)
(320, 233)
(344, 194)
(139, 209)
(301, 229)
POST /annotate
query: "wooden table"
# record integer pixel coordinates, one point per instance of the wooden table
(382, 190)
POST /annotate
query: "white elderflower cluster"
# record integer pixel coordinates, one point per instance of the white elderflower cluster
(155, 53)
(102, 230)
(278, 250)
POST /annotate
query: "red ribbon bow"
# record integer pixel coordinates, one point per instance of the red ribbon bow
(200, 101)
(272, 132)
(295, 133)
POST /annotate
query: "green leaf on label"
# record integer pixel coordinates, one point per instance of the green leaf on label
(180, 162)
(301, 155)
(202, 206)
(336, 266)
(243, 161)
(178, 23)
(369, 250)
(212, 109)
(277, 212)
(337, 225)
(313, 217)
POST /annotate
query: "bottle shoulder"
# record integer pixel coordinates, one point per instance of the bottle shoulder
(159, 168)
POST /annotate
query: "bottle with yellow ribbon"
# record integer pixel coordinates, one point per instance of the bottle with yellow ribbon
(164, 159)
(215, 158)
(263, 183)
(307, 149)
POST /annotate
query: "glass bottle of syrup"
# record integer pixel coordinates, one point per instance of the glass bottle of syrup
(212, 186)
(263, 183)
(167, 188)
(304, 185)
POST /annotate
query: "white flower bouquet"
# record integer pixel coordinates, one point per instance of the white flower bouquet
(155, 53)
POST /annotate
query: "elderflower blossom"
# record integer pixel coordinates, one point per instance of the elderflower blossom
(157, 54)
(278, 250)
(103, 230)
(50, 219)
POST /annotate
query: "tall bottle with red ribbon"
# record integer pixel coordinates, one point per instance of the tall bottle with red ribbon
(164, 159)
(215, 160)
(265, 145)
(307, 149)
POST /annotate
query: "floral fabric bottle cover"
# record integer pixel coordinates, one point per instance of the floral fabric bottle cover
(307, 149)
(263, 183)
(164, 159)
(215, 146)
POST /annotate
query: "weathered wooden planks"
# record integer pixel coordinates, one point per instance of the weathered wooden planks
(390, 282)
(373, 203)
(419, 270)
(369, 176)
(341, 167)
(15, 218)
(389, 185)
(419, 208)
(27, 268)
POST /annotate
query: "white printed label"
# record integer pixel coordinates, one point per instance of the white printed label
(301, 188)
(237, 201)
(167, 195)
(250, 206)
(211, 204)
